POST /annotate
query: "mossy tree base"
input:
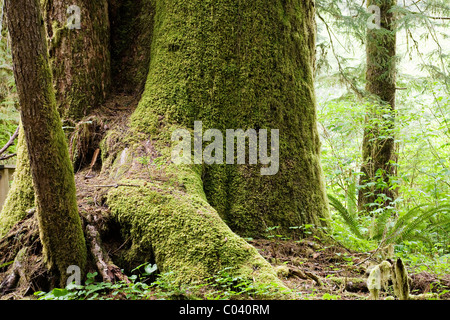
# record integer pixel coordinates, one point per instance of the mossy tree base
(242, 65)
(166, 215)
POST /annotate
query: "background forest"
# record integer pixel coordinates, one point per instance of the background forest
(417, 221)
(421, 125)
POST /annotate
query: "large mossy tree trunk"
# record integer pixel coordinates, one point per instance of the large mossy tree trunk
(230, 64)
(249, 65)
(53, 179)
(378, 150)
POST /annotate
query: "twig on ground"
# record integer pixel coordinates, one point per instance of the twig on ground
(116, 185)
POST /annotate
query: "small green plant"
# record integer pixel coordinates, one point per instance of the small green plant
(92, 290)
(153, 165)
(327, 296)
(306, 229)
(148, 268)
(165, 287)
(228, 286)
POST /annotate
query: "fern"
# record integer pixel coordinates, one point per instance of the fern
(408, 227)
(380, 224)
(349, 219)
(405, 229)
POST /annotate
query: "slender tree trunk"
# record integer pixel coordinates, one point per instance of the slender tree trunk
(80, 63)
(379, 158)
(59, 223)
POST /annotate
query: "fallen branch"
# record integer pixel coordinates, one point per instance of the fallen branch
(116, 185)
(93, 161)
(305, 275)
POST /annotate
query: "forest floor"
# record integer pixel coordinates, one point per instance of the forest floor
(335, 273)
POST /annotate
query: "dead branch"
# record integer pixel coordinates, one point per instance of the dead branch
(305, 275)
(116, 185)
(8, 156)
(10, 142)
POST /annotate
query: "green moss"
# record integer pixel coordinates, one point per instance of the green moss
(169, 220)
(241, 65)
(21, 195)
(185, 234)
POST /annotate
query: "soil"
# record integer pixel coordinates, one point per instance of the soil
(343, 274)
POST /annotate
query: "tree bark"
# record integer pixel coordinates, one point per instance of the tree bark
(80, 58)
(131, 26)
(53, 179)
(378, 150)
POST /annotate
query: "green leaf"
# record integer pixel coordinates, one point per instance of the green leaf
(59, 292)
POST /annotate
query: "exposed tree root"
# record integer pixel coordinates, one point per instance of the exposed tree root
(305, 275)
(107, 269)
(22, 269)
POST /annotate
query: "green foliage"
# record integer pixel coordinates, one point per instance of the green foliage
(92, 290)
(9, 116)
(348, 216)
(417, 223)
(223, 285)
(227, 286)
(422, 130)
(328, 296)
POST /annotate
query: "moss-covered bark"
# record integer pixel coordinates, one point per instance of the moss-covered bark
(21, 195)
(80, 58)
(242, 64)
(53, 179)
(378, 151)
(230, 64)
